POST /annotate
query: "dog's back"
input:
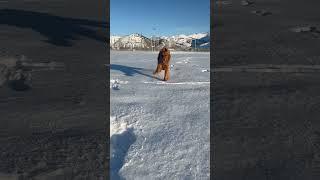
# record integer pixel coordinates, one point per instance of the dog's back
(164, 56)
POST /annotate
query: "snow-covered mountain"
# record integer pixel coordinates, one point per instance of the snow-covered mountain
(114, 39)
(187, 41)
(132, 41)
(201, 42)
(181, 42)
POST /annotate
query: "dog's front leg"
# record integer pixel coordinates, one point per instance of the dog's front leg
(166, 73)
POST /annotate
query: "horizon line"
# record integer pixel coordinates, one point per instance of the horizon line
(208, 32)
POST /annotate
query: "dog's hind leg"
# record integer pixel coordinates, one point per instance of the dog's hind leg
(158, 69)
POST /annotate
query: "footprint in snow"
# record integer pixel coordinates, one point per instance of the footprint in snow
(223, 2)
(121, 138)
(313, 30)
(246, 2)
(187, 60)
(262, 12)
(115, 87)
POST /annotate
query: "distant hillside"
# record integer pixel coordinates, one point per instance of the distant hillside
(178, 42)
(202, 42)
(133, 41)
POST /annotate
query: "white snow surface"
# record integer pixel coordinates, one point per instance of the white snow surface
(159, 130)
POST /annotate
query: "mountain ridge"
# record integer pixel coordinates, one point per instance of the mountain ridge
(175, 42)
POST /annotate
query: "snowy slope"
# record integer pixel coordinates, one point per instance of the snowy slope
(198, 35)
(159, 130)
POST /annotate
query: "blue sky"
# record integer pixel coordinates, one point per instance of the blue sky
(168, 17)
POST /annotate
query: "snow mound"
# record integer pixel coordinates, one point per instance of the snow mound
(115, 84)
(117, 127)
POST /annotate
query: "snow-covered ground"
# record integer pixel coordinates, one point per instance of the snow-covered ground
(159, 130)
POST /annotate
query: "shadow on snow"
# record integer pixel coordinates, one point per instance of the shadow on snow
(131, 71)
(60, 31)
(120, 144)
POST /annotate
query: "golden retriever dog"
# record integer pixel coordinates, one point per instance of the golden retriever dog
(164, 63)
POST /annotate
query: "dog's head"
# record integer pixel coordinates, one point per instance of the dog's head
(165, 55)
(165, 51)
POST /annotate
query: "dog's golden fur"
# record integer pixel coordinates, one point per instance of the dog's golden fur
(164, 63)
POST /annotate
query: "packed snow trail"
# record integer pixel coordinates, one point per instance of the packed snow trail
(159, 130)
